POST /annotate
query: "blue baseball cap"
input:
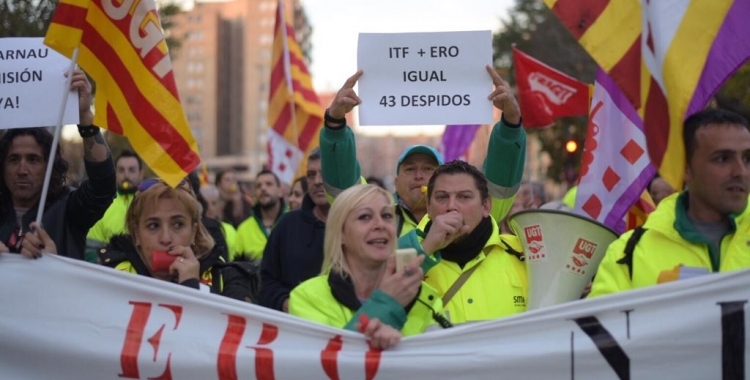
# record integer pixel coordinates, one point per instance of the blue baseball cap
(423, 149)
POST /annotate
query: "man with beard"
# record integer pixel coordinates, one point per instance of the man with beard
(479, 272)
(294, 252)
(704, 229)
(506, 152)
(253, 233)
(128, 173)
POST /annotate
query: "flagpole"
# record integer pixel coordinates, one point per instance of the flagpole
(56, 138)
(288, 73)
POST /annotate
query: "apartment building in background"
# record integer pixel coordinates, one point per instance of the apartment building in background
(222, 70)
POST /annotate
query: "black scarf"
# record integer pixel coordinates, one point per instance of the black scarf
(468, 248)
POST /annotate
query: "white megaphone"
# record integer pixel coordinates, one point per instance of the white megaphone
(563, 251)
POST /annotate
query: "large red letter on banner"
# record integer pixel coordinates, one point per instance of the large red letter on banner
(227, 361)
(134, 339)
(329, 360)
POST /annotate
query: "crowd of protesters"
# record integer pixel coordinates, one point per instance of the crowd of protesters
(324, 249)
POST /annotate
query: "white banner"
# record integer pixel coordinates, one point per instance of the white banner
(425, 78)
(65, 319)
(32, 83)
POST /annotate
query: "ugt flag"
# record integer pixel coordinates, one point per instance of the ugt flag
(545, 93)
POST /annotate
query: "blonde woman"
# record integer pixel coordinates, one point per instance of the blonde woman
(359, 288)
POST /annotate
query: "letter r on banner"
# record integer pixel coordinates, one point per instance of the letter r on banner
(226, 365)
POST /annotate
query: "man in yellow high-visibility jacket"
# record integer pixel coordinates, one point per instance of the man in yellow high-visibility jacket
(128, 173)
(704, 229)
(252, 234)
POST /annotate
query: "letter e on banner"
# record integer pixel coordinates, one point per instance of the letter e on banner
(134, 339)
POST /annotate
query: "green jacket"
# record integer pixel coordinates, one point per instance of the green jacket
(314, 300)
(503, 166)
(670, 242)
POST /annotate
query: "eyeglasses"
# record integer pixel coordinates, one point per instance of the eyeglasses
(147, 183)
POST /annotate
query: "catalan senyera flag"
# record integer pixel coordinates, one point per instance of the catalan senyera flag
(668, 57)
(546, 94)
(204, 175)
(294, 112)
(122, 47)
(615, 169)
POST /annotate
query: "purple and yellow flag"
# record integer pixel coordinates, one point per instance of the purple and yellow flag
(122, 47)
(667, 56)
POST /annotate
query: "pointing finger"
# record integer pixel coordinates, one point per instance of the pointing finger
(352, 80)
(496, 78)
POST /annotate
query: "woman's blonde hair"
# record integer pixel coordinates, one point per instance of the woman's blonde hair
(203, 243)
(345, 202)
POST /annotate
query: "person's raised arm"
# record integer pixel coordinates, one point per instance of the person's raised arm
(92, 199)
(338, 149)
(506, 151)
(95, 148)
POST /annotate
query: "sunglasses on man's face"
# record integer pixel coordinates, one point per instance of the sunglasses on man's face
(147, 183)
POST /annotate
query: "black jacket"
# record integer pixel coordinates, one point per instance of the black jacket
(238, 279)
(67, 218)
(293, 254)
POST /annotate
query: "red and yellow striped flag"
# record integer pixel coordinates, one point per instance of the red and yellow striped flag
(638, 213)
(294, 112)
(122, 47)
(204, 175)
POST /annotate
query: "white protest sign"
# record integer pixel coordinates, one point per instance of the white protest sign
(425, 78)
(32, 80)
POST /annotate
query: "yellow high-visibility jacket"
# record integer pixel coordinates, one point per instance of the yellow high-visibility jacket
(314, 300)
(668, 243)
(497, 288)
